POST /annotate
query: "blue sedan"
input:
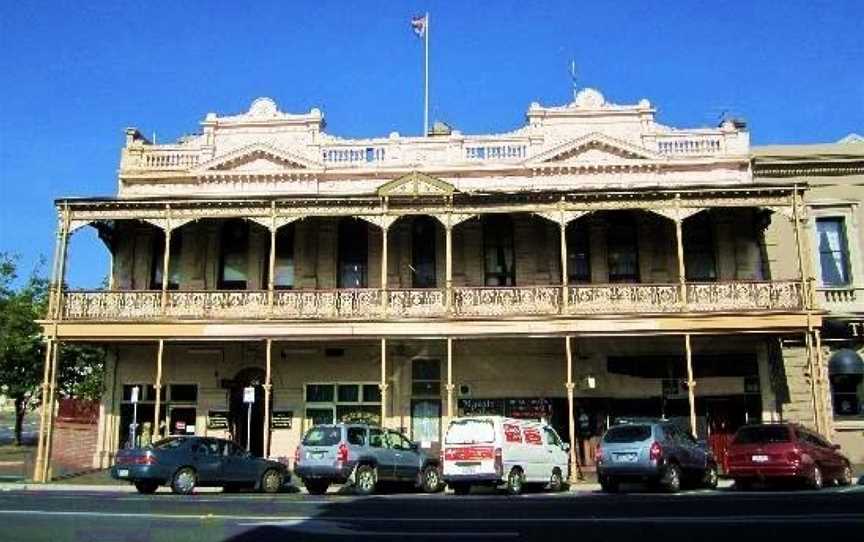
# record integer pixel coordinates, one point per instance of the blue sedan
(185, 463)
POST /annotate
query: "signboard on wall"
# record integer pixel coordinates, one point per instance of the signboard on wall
(481, 407)
(281, 419)
(532, 408)
(217, 419)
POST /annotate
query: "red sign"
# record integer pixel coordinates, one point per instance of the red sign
(532, 436)
(512, 433)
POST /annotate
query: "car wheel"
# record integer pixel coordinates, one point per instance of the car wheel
(271, 481)
(816, 481)
(146, 487)
(431, 481)
(316, 487)
(184, 481)
(608, 485)
(710, 478)
(845, 476)
(461, 489)
(515, 481)
(364, 480)
(556, 481)
(671, 480)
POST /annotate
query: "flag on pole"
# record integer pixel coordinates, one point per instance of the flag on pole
(418, 25)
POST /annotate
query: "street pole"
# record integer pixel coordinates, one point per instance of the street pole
(426, 79)
(248, 426)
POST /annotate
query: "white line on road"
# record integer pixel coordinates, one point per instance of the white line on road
(778, 518)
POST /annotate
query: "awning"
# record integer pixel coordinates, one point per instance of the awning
(845, 362)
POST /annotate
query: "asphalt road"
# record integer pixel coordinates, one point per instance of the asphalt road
(726, 515)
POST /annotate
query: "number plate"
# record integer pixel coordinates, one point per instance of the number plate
(760, 458)
(472, 469)
(316, 455)
(625, 458)
(123, 473)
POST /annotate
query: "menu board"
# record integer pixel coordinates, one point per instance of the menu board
(217, 419)
(533, 408)
(281, 419)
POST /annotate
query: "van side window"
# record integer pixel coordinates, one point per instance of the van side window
(552, 437)
(356, 436)
(376, 438)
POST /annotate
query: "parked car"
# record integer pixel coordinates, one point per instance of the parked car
(185, 463)
(653, 452)
(494, 451)
(772, 452)
(362, 455)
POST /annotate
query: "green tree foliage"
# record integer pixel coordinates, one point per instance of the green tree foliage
(22, 348)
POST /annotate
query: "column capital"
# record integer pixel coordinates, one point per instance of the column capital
(450, 387)
(383, 387)
(570, 386)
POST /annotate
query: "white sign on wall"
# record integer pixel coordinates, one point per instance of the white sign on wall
(134, 398)
(249, 394)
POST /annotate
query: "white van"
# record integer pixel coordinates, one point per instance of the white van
(494, 450)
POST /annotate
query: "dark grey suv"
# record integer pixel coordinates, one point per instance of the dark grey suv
(362, 455)
(657, 452)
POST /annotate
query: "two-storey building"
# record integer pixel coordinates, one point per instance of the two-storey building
(590, 265)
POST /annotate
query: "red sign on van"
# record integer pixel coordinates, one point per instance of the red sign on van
(532, 436)
(512, 433)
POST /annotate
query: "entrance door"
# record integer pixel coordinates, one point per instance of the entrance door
(248, 428)
(426, 423)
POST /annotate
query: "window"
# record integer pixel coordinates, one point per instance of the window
(552, 437)
(698, 240)
(183, 393)
(283, 273)
(499, 256)
(376, 439)
(847, 391)
(426, 377)
(622, 248)
(234, 266)
(833, 251)
(578, 255)
(398, 441)
(344, 402)
(146, 393)
(356, 436)
(353, 253)
(423, 230)
(157, 261)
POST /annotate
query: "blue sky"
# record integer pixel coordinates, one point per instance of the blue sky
(72, 76)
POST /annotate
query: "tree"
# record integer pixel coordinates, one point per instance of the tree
(22, 348)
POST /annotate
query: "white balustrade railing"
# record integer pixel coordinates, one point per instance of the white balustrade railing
(691, 145)
(353, 155)
(623, 298)
(496, 152)
(844, 299)
(503, 301)
(167, 159)
(466, 302)
(745, 296)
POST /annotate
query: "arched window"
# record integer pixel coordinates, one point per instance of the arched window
(157, 261)
(498, 250)
(578, 253)
(622, 248)
(698, 239)
(423, 230)
(283, 275)
(234, 263)
(353, 253)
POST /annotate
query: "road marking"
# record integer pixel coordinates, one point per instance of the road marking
(329, 527)
(855, 518)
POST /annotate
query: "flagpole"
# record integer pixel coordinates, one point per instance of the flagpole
(426, 80)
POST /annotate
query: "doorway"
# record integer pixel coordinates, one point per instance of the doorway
(247, 428)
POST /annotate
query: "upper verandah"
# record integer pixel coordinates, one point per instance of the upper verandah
(588, 143)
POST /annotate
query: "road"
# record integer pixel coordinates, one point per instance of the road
(726, 515)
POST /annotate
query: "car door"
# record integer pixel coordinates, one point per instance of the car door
(238, 465)
(405, 458)
(555, 453)
(830, 459)
(379, 447)
(207, 460)
(697, 455)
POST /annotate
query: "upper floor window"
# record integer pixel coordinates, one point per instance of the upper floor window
(353, 253)
(578, 255)
(499, 256)
(622, 249)
(158, 261)
(423, 230)
(234, 265)
(699, 261)
(833, 251)
(283, 274)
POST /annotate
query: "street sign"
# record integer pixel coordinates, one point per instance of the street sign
(135, 390)
(249, 394)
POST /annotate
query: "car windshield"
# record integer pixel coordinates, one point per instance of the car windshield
(762, 435)
(628, 433)
(470, 432)
(170, 443)
(323, 435)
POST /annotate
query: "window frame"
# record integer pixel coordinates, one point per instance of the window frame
(496, 237)
(334, 405)
(845, 210)
(243, 225)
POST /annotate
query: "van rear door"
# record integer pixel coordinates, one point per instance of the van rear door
(469, 447)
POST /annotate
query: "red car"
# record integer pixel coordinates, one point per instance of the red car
(773, 452)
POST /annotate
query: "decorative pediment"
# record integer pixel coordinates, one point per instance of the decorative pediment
(416, 184)
(593, 148)
(257, 158)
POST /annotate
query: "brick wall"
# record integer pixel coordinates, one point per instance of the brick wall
(75, 436)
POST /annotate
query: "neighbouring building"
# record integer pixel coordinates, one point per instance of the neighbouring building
(834, 174)
(588, 266)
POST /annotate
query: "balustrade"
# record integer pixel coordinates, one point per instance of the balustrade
(690, 145)
(466, 302)
(497, 151)
(161, 158)
(353, 155)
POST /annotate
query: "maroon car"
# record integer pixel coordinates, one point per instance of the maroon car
(773, 452)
